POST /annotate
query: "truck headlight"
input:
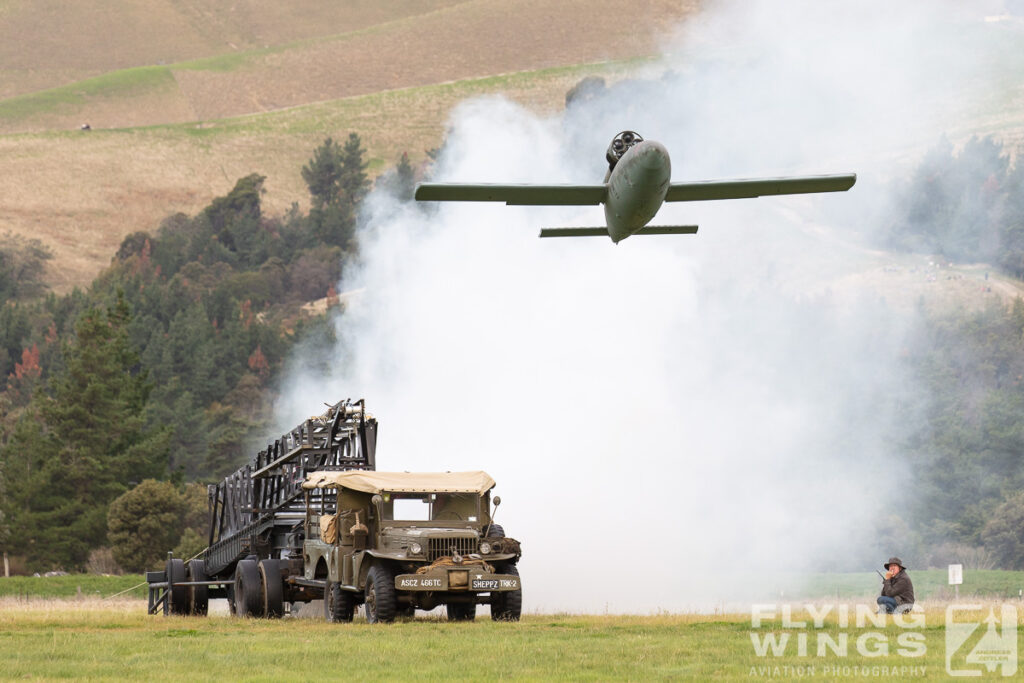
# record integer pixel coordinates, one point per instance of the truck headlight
(415, 549)
(485, 548)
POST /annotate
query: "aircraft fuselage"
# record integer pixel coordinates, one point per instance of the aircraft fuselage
(636, 188)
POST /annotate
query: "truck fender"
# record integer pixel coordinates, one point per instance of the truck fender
(363, 561)
(333, 570)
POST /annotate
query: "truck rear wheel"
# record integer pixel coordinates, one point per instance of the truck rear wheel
(248, 590)
(273, 588)
(198, 596)
(339, 605)
(458, 612)
(177, 596)
(508, 605)
(381, 604)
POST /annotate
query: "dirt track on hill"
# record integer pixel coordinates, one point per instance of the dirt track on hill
(47, 43)
(469, 40)
(449, 42)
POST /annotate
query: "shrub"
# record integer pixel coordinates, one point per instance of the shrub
(144, 523)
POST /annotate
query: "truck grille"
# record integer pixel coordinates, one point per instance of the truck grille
(442, 547)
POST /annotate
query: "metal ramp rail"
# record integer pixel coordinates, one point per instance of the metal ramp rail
(259, 509)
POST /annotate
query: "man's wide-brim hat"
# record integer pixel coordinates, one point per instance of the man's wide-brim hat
(894, 560)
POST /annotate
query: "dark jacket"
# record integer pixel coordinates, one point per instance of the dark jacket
(899, 588)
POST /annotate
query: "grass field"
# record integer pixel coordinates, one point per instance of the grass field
(49, 630)
(106, 640)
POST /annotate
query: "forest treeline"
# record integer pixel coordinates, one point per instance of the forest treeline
(163, 372)
(965, 205)
(165, 368)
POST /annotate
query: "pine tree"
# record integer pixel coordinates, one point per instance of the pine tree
(400, 182)
(323, 175)
(337, 184)
(354, 183)
(406, 178)
(76, 451)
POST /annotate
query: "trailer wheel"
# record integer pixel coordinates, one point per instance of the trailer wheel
(339, 605)
(458, 612)
(177, 596)
(381, 604)
(198, 596)
(508, 605)
(248, 589)
(272, 593)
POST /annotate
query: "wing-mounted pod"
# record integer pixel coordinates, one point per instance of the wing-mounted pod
(620, 145)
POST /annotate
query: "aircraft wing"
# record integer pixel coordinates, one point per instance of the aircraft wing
(748, 189)
(536, 195)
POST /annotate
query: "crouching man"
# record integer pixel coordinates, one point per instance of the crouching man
(897, 589)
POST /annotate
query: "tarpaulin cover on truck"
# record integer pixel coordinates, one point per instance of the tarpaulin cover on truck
(478, 482)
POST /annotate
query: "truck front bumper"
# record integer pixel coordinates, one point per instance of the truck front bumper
(469, 579)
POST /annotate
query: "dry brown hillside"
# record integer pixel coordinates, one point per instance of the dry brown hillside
(451, 41)
(47, 43)
(81, 193)
(160, 142)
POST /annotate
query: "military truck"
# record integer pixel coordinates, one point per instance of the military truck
(402, 541)
(309, 519)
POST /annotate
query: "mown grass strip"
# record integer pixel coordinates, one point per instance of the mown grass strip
(929, 583)
(126, 82)
(73, 585)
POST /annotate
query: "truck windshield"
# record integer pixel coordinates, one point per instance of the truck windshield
(405, 507)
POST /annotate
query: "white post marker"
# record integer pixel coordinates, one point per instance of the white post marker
(956, 577)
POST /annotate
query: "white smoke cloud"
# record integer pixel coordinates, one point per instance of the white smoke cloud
(662, 412)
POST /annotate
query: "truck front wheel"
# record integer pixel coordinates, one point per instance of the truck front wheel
(338, 604)
(381, 604)
(508, 605)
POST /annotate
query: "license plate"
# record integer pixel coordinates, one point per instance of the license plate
(419, 583)
(485, 584)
